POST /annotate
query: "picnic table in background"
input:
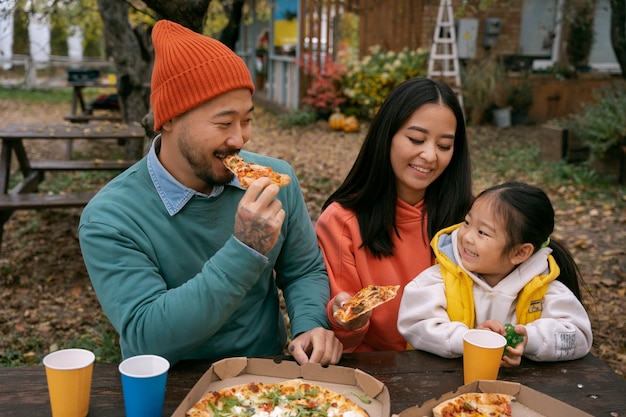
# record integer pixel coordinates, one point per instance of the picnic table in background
(25, 195)
(83, 112)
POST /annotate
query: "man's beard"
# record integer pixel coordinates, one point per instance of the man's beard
(202, 167)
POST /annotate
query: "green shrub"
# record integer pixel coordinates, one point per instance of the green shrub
(302, 117)
(520, 97)
(601, 125)
(367, 82)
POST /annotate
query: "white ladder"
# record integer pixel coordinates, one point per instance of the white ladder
(443, 61)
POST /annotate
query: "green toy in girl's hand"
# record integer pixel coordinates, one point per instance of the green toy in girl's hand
(512, 338)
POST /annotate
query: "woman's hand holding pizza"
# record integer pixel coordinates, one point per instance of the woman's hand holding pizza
(354, 312)
(259, 216)
(358, 322)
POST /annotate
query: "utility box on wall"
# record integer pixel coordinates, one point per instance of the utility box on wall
(467, 33)
(492, 32)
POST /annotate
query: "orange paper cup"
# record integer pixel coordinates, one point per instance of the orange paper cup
(482, 352)
(69, 373)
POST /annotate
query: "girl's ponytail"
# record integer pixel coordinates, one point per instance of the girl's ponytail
(570, 273)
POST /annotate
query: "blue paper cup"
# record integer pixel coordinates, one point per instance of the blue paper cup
(143, 381)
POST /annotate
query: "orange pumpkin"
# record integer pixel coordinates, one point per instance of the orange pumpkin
(335, 121)
(350, 124)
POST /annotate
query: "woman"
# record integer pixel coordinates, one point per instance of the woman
(412, 177)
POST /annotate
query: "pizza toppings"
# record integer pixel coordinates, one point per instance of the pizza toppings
(285, 399)
(475, 404)
(365, 300)
(248, 172)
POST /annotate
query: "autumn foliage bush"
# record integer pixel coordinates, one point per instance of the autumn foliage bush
(325, 93)
(358, 88)
(367, 82)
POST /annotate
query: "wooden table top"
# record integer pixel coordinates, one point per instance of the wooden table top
(412, 378)
(72, 131)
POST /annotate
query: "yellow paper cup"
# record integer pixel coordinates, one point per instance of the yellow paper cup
(69, 373)
(482, 352)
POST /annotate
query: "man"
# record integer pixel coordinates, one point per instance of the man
(184, 261)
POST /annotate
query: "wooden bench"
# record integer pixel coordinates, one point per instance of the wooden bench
(25, 195)
(79, 165)
(86, 118)
(32, 201)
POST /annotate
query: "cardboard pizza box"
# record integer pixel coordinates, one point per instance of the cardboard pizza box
(529, 403)
(346, 381)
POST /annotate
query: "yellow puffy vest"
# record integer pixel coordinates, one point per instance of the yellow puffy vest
(460, 297)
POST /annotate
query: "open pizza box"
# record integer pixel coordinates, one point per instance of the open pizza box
(528, 403)
(353, 383)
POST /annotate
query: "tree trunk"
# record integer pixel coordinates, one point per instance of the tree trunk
(132, 53)
(189, 13)
(230, 34)
(618, 32)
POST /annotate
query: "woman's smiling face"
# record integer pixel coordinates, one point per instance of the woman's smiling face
(421, 150)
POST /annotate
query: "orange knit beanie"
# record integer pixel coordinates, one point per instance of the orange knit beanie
(190, 69)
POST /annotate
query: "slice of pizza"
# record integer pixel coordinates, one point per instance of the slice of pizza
(475, 404)
(248, 172)
(285, 399)
(365, 300)
(317, 400)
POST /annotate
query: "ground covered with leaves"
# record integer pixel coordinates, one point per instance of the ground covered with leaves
(47, 302)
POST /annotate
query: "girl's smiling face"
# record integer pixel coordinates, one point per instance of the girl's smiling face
(481, 242)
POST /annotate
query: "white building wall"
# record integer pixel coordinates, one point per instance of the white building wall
(6, 33)
(39, 34)
(75, 44)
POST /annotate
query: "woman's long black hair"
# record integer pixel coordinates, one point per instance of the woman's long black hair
(369, 188)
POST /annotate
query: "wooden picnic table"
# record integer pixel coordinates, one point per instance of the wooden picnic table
(25, 195)
(80, 112)
(412, 378)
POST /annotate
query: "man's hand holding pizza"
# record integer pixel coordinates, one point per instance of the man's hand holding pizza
(259, 216)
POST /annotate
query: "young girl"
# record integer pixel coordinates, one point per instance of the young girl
(411, 179)
(500, 266)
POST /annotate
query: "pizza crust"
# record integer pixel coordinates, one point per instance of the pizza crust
(248, 172)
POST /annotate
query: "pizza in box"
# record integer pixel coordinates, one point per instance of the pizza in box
(475, 404)
(292, 398)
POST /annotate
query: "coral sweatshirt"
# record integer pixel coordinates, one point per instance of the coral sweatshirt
(350, 268)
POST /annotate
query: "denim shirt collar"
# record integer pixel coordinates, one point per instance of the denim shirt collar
(174, 195)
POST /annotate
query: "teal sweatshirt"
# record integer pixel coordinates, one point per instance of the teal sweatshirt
(183, 287)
